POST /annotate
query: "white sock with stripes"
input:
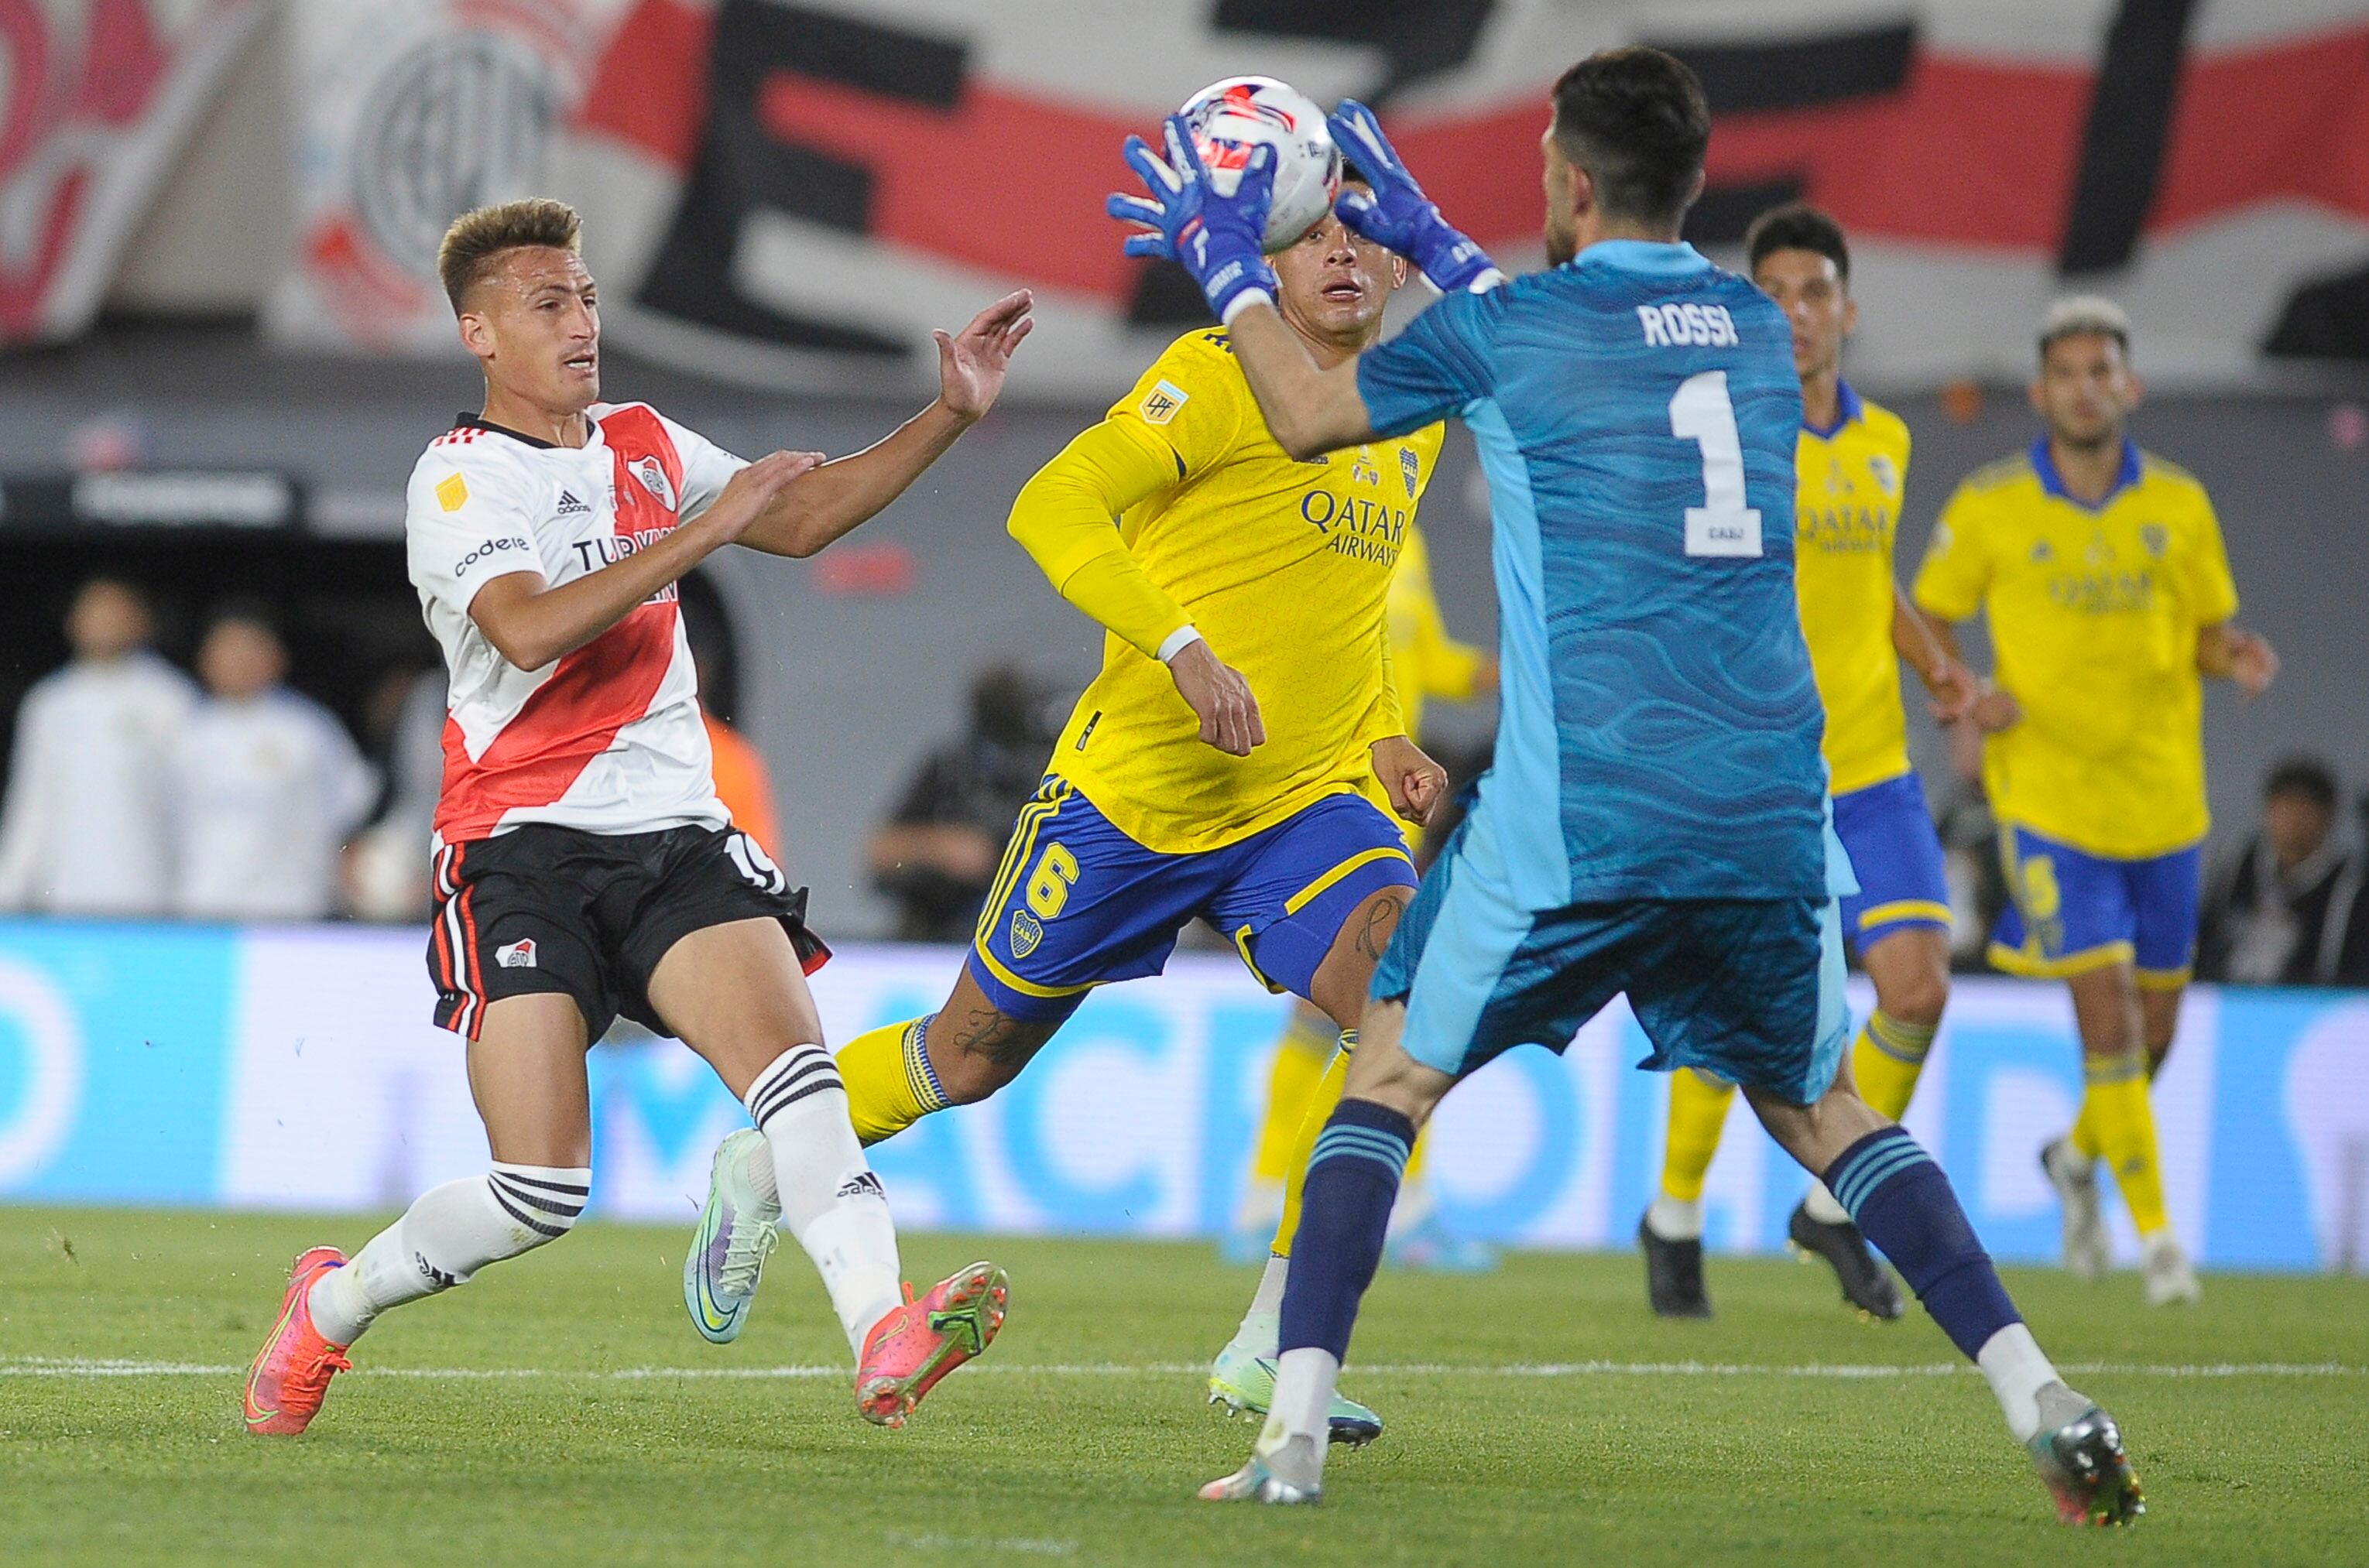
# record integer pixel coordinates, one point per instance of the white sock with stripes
(447, 1234)
(831, 1200)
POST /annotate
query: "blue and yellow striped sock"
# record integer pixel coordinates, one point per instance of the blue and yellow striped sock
(1345, 1216)
(1903, 1204)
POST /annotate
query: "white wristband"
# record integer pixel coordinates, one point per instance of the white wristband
(1176, 642)
(1242, 302)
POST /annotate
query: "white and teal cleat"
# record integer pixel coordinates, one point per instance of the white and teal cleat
(1244, 1384)
(737, 1231)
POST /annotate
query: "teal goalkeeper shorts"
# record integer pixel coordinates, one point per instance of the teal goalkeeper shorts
(1078, 903)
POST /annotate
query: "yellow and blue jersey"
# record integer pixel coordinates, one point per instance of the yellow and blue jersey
(1849, 481)
(2094, 613)
(1284, 567)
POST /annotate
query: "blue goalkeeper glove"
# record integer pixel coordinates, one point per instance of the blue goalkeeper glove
(1398, 214)
(1216, 238)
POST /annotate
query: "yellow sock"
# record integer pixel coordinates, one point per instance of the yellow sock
(1413, 1171)
(1886, 1060)
(2083, 1136)
(1321, 1106)
(1299, 1062)
(890, 1085)
(1698, 1111)
(2117, 1109)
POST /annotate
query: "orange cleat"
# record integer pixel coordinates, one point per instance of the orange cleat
(292, 1372)
(908, 1350)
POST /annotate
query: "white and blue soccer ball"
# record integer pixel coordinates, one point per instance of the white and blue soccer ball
(1232, 116)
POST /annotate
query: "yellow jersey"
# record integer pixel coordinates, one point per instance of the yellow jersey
(2094, 612)
(1424, 659)
(1846, 507)
(1285, 568)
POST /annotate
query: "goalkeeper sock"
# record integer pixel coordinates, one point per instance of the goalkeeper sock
(1321, 1106)
(1353, 1178)
(1886, 1061)
(831, 1203)
(891, 1083)
(447, 1234)
(2116, 1108)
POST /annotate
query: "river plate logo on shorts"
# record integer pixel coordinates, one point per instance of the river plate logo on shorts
(1025, 932)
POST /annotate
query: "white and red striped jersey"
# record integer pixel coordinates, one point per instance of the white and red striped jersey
(607, 739)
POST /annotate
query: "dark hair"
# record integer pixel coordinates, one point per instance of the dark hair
(246, 610)
(1797, 225)
(2304, 776)
(477, 239)
(1635, 118)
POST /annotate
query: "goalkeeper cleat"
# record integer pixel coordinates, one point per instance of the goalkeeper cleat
(2078, 1452)
(1291, 1472)
(2087, 1252)
(292, 1372)
(2164, 1268)
(737, 1231)
(1673, 1276)
(1244, 1383)
(1866, 1283)
(916, 1343)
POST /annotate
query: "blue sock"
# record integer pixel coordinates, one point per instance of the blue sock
(1344, 1214)
(1903, 1204)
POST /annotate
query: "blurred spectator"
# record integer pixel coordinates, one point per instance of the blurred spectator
(387, 869)
(936, 854)
(2268, 916)
(267, 784)
(85, 828)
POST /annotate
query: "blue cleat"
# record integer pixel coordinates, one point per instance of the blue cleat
(737, 1231)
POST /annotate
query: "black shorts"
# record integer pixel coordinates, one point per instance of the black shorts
(590, 915)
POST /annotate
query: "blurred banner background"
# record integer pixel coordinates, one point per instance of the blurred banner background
(176, 1066)
(792, 195)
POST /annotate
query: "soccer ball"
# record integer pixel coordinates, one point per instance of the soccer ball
(1230, 118)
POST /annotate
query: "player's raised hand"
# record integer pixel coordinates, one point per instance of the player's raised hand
(1416, 785)
(749, 492)
(1220, 698)
(1216, 238)
(971, 364)
(1397, 213)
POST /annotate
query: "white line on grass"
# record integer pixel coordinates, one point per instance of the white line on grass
(87, 1367)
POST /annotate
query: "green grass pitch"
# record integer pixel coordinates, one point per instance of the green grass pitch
(1537, 1414)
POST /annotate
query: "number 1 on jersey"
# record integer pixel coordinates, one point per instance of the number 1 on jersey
(1702, 412)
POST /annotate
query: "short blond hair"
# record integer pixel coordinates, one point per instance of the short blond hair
(477, 239)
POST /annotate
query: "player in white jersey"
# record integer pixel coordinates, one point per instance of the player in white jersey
(584, 868)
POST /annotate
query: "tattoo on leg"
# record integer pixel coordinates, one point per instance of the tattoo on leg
(1006, 1042)
(1381, 920)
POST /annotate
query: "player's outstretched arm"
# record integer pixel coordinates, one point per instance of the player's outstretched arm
(531, 624)
(847, 492)
(1216, 238)
(1929, 650)
(2229, 652)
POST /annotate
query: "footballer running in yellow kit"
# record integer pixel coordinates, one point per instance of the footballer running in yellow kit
(2108, 590)
(1852, 467)
(1240, 759)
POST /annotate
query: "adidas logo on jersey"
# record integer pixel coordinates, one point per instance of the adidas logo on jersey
(570, 507)
(517, 955)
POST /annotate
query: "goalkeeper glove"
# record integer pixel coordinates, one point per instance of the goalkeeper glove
(1216, 238)
(1398, 214)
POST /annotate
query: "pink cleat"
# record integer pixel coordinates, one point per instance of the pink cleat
(908, 1350)
(292, 1372)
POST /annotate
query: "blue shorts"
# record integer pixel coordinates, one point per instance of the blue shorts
(1748, 990)
(2070, 912)
(1078, 903)
(1888, 833)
